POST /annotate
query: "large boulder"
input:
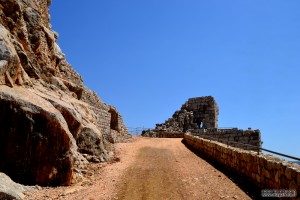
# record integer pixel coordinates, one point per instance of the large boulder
(36, 146)
(10, 190)
(48, 118)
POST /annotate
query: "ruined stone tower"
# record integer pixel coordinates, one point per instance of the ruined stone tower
(199, 117)
(196, 113)
(205, 111)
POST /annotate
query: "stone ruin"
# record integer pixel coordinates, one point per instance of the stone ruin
(199, 116)
(196, 113)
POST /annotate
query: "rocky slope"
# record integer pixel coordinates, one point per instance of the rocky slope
(51, 125)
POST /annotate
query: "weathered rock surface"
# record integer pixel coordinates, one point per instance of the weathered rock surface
(199, 112)
(35, 143)
(48, 118)
(11, 190)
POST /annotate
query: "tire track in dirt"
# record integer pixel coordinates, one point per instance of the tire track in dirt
(151, 177)
(165, 169)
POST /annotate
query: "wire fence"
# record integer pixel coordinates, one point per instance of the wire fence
(258, 149)
(136, 130)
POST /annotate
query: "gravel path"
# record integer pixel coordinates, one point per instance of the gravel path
(150, 168)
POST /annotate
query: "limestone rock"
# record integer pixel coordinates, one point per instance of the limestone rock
(35, 143)
(11, 190)
(48, 118)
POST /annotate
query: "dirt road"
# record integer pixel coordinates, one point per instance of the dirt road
(150, 168)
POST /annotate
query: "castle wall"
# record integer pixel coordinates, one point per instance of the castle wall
(268, 172)
(196, 113)
(233, 137)
(103, 118)
(205, 111)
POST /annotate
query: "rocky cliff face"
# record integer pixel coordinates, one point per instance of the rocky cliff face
(50, 123)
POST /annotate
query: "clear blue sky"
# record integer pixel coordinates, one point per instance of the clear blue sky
(148, 57)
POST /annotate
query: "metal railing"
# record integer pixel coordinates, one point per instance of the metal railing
(256, 147)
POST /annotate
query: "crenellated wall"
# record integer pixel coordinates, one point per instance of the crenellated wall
(233, 137)
(268, 172)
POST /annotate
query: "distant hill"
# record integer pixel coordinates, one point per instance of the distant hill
(298, 162)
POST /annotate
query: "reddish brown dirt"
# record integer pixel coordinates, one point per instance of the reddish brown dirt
(150, 168)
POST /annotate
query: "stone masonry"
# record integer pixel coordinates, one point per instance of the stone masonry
(108, 119)
(199, 116)
(268, 172)
(233, 137)
(196, 113)
(205, 111)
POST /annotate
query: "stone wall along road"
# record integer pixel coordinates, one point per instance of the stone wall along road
(268, 172)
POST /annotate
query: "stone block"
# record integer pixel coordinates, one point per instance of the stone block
(284, 183)
(266, 173)
(263, 181)
(269, 165)
(248, 167)
(254, 168)
(288, 173)
(293, 185)
(277, 174)
(277, 165)
(248, 158)
(282, 169)
(255, 158)
(258, 179)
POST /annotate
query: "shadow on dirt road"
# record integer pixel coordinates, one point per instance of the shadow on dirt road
(244, 184)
